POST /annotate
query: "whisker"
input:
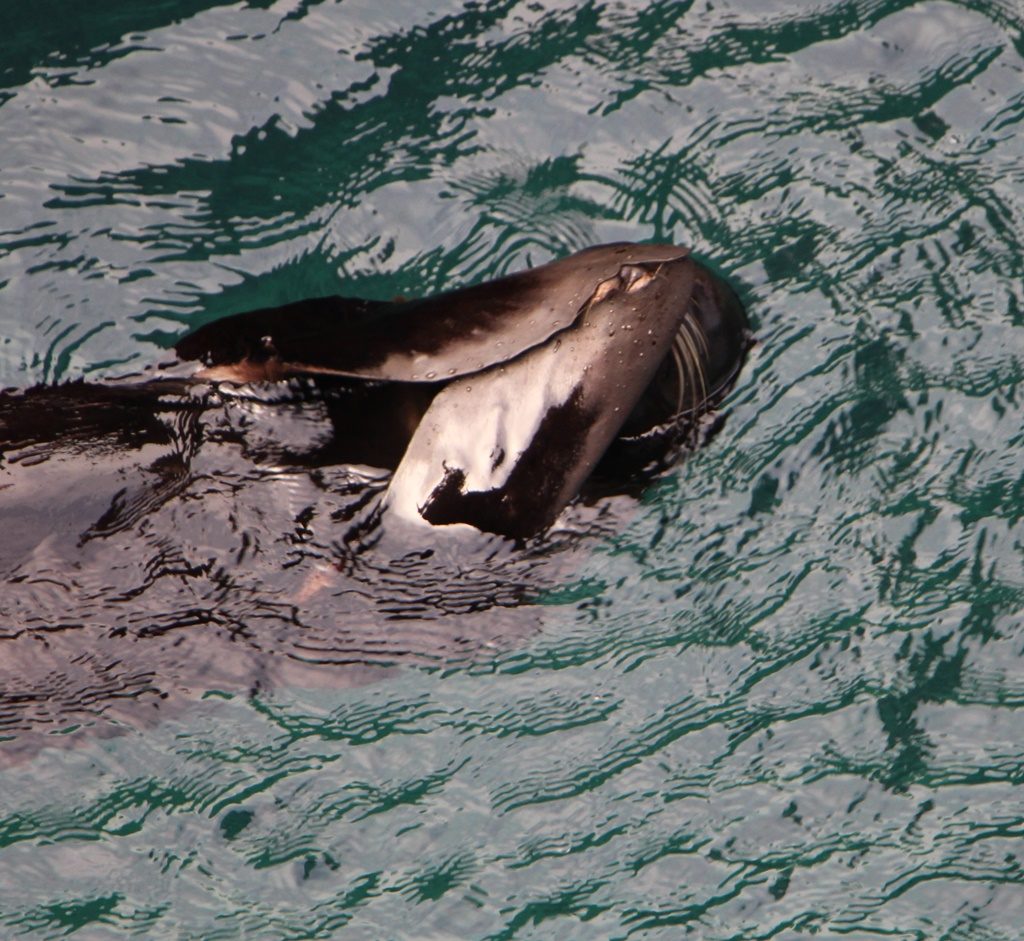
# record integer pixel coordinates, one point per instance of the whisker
(698, 331)
(689, 347)
(677, 357)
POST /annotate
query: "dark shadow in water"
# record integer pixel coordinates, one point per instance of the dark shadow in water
(87, 35)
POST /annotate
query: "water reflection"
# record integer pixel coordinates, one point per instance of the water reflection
(781, 697)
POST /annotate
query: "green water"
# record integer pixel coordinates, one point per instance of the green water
(782, 698)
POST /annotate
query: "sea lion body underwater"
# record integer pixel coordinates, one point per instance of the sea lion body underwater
(504, 396)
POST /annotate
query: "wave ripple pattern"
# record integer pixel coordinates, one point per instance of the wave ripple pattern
(778, 697)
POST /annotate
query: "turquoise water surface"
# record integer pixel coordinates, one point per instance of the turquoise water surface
(779, 696)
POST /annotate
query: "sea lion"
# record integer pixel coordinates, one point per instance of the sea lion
(197, 528)
(492, 404)
(511, 390)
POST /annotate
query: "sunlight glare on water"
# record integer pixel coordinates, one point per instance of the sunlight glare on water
(777, 697)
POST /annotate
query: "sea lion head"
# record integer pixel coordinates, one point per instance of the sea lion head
(707, 353)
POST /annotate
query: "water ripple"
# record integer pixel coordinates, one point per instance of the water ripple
(776, 696)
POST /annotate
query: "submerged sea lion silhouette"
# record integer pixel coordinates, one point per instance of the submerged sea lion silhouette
(500, 399)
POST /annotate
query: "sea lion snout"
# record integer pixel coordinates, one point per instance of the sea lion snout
(715, 307)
